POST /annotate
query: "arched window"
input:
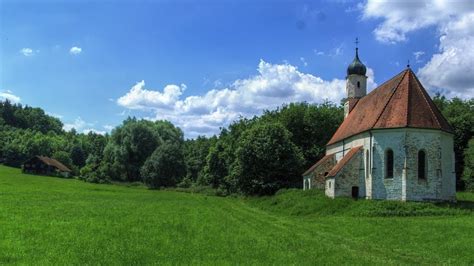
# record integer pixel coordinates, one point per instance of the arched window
(389, 164)
(358, 84)
(422, 164)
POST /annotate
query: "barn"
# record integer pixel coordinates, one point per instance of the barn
(45, 166)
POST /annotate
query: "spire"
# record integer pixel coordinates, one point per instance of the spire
(356, 67)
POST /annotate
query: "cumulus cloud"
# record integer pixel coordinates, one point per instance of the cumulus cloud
(272, 86)
(140, 98)
(82, 126)
(75, 50)
(450, 69)
(28, 51)
(8, 95)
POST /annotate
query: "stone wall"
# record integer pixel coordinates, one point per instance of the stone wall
(349, 177)
(317, 177)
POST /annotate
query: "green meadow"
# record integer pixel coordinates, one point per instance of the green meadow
(48, 220)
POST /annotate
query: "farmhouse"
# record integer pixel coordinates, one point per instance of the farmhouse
(45, 166)
(393, 143)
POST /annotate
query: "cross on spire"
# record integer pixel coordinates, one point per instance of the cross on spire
(408, 63)
(357, 42)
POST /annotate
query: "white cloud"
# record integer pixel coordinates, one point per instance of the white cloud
(75, 50)
(108, 127)
(140, 98)
(8, 95)
(54, 115)
(303, 61)
(272, 86)
(418, 55)
(78, 125)
(82, 126)
(28, 51)
(450, 69)
(100, 132)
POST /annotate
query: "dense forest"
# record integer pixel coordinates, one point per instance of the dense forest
(255, 156)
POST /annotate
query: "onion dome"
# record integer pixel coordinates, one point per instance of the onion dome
(356, 67)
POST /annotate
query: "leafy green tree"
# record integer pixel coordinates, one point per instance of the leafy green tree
(77, 156)
(63, 157)
(195, 153)
(165, 167)
(266, 160)
(460, 114)
(468, 174)
(311, 126)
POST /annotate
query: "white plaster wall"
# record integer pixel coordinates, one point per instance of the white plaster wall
(329, 191)
(352, 91)
(388, 188)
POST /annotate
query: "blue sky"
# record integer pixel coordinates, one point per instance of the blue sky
(202, 64)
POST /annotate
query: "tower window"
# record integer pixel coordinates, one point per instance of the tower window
(358, 84)
(389, 164)
(422, 164)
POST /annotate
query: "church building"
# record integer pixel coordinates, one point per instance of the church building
(393, 144)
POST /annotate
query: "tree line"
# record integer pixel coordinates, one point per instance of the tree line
(252, 156)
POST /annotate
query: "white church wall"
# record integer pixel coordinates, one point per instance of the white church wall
(382, 187)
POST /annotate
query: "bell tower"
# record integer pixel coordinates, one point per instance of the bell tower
(356, 82)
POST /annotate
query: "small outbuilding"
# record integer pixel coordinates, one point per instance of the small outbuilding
(45, 166)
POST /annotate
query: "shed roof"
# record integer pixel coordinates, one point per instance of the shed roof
(54, 163)
(400, 102)
(318, 163)
(347, 158)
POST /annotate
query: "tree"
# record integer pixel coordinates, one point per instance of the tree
(165, 167)
(64, 158)
(468, 174)
(128, 148)
(266, 160)
(460, 115)
(195, 154)
(78, 156)
(311, 126)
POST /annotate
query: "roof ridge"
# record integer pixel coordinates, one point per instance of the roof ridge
(426, 100)
(389, 99)
(408, 101)
(387, 81)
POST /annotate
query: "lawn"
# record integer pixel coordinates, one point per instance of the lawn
(47, 220)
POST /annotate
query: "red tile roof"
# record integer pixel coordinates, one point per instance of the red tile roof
(53, 162)
(400, 102)
(324, 159)
(347, 158)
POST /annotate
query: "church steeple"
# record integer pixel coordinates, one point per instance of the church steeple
(356, 82)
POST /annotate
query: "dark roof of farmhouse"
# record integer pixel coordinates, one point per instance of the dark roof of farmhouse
(347, 158)
(398, 103)
(54, 163)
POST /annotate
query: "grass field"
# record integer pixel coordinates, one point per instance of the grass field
(47, 220)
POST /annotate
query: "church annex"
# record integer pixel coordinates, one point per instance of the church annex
(393, 144)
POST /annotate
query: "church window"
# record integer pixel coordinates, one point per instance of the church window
(422, 164)
(389, 164)
(358, 84)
